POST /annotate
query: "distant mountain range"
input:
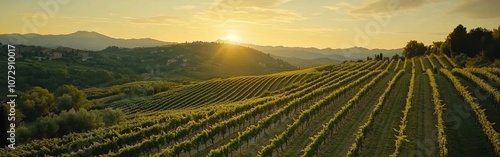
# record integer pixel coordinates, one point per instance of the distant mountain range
(353, 53)
(298, 56)
(82, 40)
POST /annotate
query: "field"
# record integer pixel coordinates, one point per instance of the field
(416, 107)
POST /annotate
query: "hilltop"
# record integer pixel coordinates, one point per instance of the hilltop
(40, 66)
(297, 56)
(85, 40)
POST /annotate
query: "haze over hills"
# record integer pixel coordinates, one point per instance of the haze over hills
(84, 40)
(298, 56)
(353, 53)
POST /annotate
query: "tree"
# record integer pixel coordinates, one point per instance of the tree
(45, 127)
(445, 48)
(111, 117)
(414, 48)
(436, 46)
(478, 40)
(70, 97)
(65, 102)
(395, 57)
(37, 102)
(496, 33)
(457, 40)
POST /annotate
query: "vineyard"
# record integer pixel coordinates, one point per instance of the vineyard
(425, 106)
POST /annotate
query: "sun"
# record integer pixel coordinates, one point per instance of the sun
(233, 37)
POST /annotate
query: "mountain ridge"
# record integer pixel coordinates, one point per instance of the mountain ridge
(91, 40)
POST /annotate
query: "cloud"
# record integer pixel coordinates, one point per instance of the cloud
(155, 20)
(481, 9)
(315, 30)
(248, 3)
(252, 15)
(390, 6)
(262, 12)
(186, 7)
(86, 19)
(334, 8)
(342, 6)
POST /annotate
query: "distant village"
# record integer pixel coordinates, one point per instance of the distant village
(38, 53)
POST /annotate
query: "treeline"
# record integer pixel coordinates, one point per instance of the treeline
(70, 121)
(42, 114)
(479, 43)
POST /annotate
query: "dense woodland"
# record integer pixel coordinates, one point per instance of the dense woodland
(477, 47)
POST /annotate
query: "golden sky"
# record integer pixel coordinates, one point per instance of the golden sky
(297, 23)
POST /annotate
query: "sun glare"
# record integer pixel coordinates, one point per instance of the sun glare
(232, 37)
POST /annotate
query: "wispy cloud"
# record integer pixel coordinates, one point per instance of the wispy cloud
(186, 7)
(155, 20)
(315, 30)
(87, 19)
(391, 6)
(249, 3)
(252, 15)
(478, 9)
(334, 8)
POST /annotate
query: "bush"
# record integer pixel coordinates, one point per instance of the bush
(111, 116)
(57, 125)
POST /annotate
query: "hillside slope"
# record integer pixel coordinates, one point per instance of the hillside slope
(350, 109)
(79, 40)
(180, 62)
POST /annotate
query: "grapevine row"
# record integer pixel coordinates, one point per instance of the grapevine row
(422, 64)
(397, 65)
(313, 146)
(440, 61)
(353, 149)
(485, 73)
(180, 131)
(430, 61)
(494, 93)
(481, 117)
(305, 116)
(221, 128)
(438, 110)
(451, 61)
(400, 136)
(264, 123)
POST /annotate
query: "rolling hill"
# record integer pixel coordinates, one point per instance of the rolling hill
(351, 109)
(84, 40)
(298, 56)
(179, 62)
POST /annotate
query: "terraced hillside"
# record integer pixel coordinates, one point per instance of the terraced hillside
(418, 107)
(216, 91)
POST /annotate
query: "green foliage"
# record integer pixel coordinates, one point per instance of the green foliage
(445, 48)
(181, 62)
(37, 102)
(477, 61)
(414, 48)
(478, 40)
(77, 121)
(396, 57)
(111, 116)
(457, 40)
(71, 121)
(70, 97)
(45, 127)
